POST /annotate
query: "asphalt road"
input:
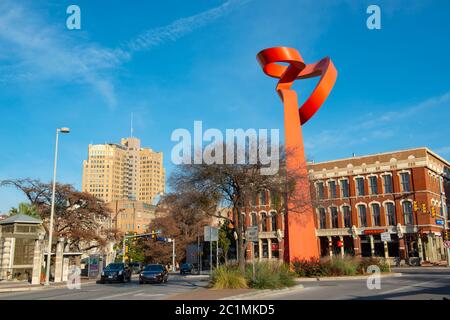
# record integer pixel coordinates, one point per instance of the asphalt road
(114, 291)
(414, 284)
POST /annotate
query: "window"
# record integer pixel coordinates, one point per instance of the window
(376, 216)
(360, 186)
(262, 198)
(390, 214)
(407, 212)
(263, 222)
(345, 189)
(347, 216)
(334, 217)
(273, 221)
(254, 220)
(332, 188)
(362, 215)
(373, 182)
(404, 179)
(387, 183)
(322, 218)
(320, 190)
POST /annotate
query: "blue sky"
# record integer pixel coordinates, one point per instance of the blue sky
(173, 62)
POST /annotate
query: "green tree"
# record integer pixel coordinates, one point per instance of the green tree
(25, 208)
(225, 238)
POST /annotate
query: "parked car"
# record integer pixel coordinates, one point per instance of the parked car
(116, 272)
(135, 267)
(153, 273)
(186, 268)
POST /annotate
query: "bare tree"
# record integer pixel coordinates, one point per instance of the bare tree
(211, 186)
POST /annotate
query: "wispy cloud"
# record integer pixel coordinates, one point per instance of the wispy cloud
(181, 27)
(37, 51)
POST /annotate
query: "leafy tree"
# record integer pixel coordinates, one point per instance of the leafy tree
(225, 239)
(79, 216)
(25, 208)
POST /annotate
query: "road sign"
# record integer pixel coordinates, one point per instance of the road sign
(439, 222)
(447, 244)
(385, 236)
(211, 233)
(161, 239)
(251, 234)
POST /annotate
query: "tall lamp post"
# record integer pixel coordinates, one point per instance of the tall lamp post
(52, 211)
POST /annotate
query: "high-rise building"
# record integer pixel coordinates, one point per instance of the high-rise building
(124, 171)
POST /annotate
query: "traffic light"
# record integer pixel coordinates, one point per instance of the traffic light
(126, 249)
(424, 208)
(416, 206)
(446, 235)
(433, 212)
(340, 244)
(153, 235)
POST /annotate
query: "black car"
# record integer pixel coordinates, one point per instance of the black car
(186, 268)
(153, 273)
(116, 272)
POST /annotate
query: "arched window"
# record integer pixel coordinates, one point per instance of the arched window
(390, 214)
(334, 217)
(408, 212)
(254, 219)
(262, 198)
(322, 218)
(347, 216)
(362, 215)
(376, 214)
(263, 222)
(273, 220)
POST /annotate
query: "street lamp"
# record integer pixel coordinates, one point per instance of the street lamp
(52, 211)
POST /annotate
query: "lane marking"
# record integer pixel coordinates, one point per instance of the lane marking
(119, 295)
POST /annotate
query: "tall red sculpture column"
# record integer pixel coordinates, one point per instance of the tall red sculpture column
(300, 235)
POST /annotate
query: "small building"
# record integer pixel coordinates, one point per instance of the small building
(21, 242)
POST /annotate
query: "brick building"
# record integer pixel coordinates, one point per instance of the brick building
(399, 193)
(359, 198)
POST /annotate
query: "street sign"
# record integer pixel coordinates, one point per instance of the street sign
(385, 236)
(439, 222)
(251, 234)
(211, 233)
(161, 239)
(447, 244)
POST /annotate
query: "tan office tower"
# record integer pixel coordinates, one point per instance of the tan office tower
(123, 171)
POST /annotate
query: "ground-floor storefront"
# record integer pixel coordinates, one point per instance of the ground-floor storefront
(412, 247)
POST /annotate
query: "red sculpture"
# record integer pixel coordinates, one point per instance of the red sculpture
(300, 235)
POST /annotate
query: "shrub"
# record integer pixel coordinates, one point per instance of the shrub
(343, 266)
(269, 275)
(347, 266)
(364, 263)
(311, 268)
(228, 277)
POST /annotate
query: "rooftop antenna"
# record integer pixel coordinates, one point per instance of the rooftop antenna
(132, 125)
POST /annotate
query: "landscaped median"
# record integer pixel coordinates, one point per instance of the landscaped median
(273, 275)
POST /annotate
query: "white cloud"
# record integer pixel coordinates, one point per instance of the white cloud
(36, 51)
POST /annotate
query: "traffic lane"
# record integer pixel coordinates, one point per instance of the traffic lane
(110, 291)
(415, 284)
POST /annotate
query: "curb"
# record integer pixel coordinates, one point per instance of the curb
(343, 278)
(265, 292)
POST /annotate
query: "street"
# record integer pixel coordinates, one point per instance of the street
(114, 291)
(414, 284)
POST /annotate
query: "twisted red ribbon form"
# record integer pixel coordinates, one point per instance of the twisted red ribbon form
(300, 233)
(269, 60)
